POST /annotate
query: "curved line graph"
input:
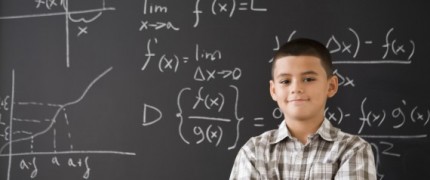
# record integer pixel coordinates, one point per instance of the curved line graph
(59, 108)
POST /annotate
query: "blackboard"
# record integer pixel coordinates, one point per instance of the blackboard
(157, 89)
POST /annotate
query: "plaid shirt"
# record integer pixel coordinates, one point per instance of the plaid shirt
(329, 154)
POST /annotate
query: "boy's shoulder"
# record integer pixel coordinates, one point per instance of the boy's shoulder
(352, 141)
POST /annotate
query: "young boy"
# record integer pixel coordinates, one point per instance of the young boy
(306, 145)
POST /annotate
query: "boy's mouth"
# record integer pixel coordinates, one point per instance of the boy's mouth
(298, 100)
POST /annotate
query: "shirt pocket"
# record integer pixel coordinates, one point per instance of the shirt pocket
(322, 171)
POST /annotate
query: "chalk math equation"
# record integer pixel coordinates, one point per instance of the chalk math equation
(227, 9)
(205, 113)
(204, 102)
(168, 62)
(25, 132)
(404, 115)
(392, 50)
(396, 118)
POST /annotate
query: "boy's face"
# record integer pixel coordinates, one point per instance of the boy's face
(301, 87)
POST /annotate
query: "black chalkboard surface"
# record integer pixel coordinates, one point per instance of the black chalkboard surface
(157, 89)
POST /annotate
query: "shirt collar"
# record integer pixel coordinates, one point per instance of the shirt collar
(327, 131)
(281, 134)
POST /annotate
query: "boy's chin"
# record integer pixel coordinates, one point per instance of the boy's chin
(298, 116)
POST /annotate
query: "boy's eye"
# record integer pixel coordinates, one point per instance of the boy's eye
(285, 81)
(308, 79)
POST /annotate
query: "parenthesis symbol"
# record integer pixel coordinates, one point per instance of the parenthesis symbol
(428, 117)
(220, 135)
(206, 102)
(412, 113)
(213, 7)
(393, 48)
(383, 118)
(341, 115)
(325, 110)
(177, 63)
(222, 102)
(413, 49)
(160, 61)
(179, 114)
(233, 7)
(358, 41)
(207, 133)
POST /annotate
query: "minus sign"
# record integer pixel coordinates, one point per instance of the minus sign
(368, 42)
(259, 125)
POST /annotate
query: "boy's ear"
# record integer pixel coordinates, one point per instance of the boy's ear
(333, 86)
(272, 90)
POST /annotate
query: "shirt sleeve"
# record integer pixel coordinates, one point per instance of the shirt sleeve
(359, 165)
(244, 165)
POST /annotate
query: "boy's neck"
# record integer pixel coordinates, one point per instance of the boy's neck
(302, 129)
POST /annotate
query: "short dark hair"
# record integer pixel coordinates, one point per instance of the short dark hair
(305, 47)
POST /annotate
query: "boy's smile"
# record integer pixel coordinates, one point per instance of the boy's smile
(301, 87)
(298, 100)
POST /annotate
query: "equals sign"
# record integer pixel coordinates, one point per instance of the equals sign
(243, 8)
(185, 59)
(259, 124)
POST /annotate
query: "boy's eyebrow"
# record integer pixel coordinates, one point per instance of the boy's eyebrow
(283, 75)
(310, 72)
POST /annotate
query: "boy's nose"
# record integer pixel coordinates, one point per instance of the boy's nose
(296, 88)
